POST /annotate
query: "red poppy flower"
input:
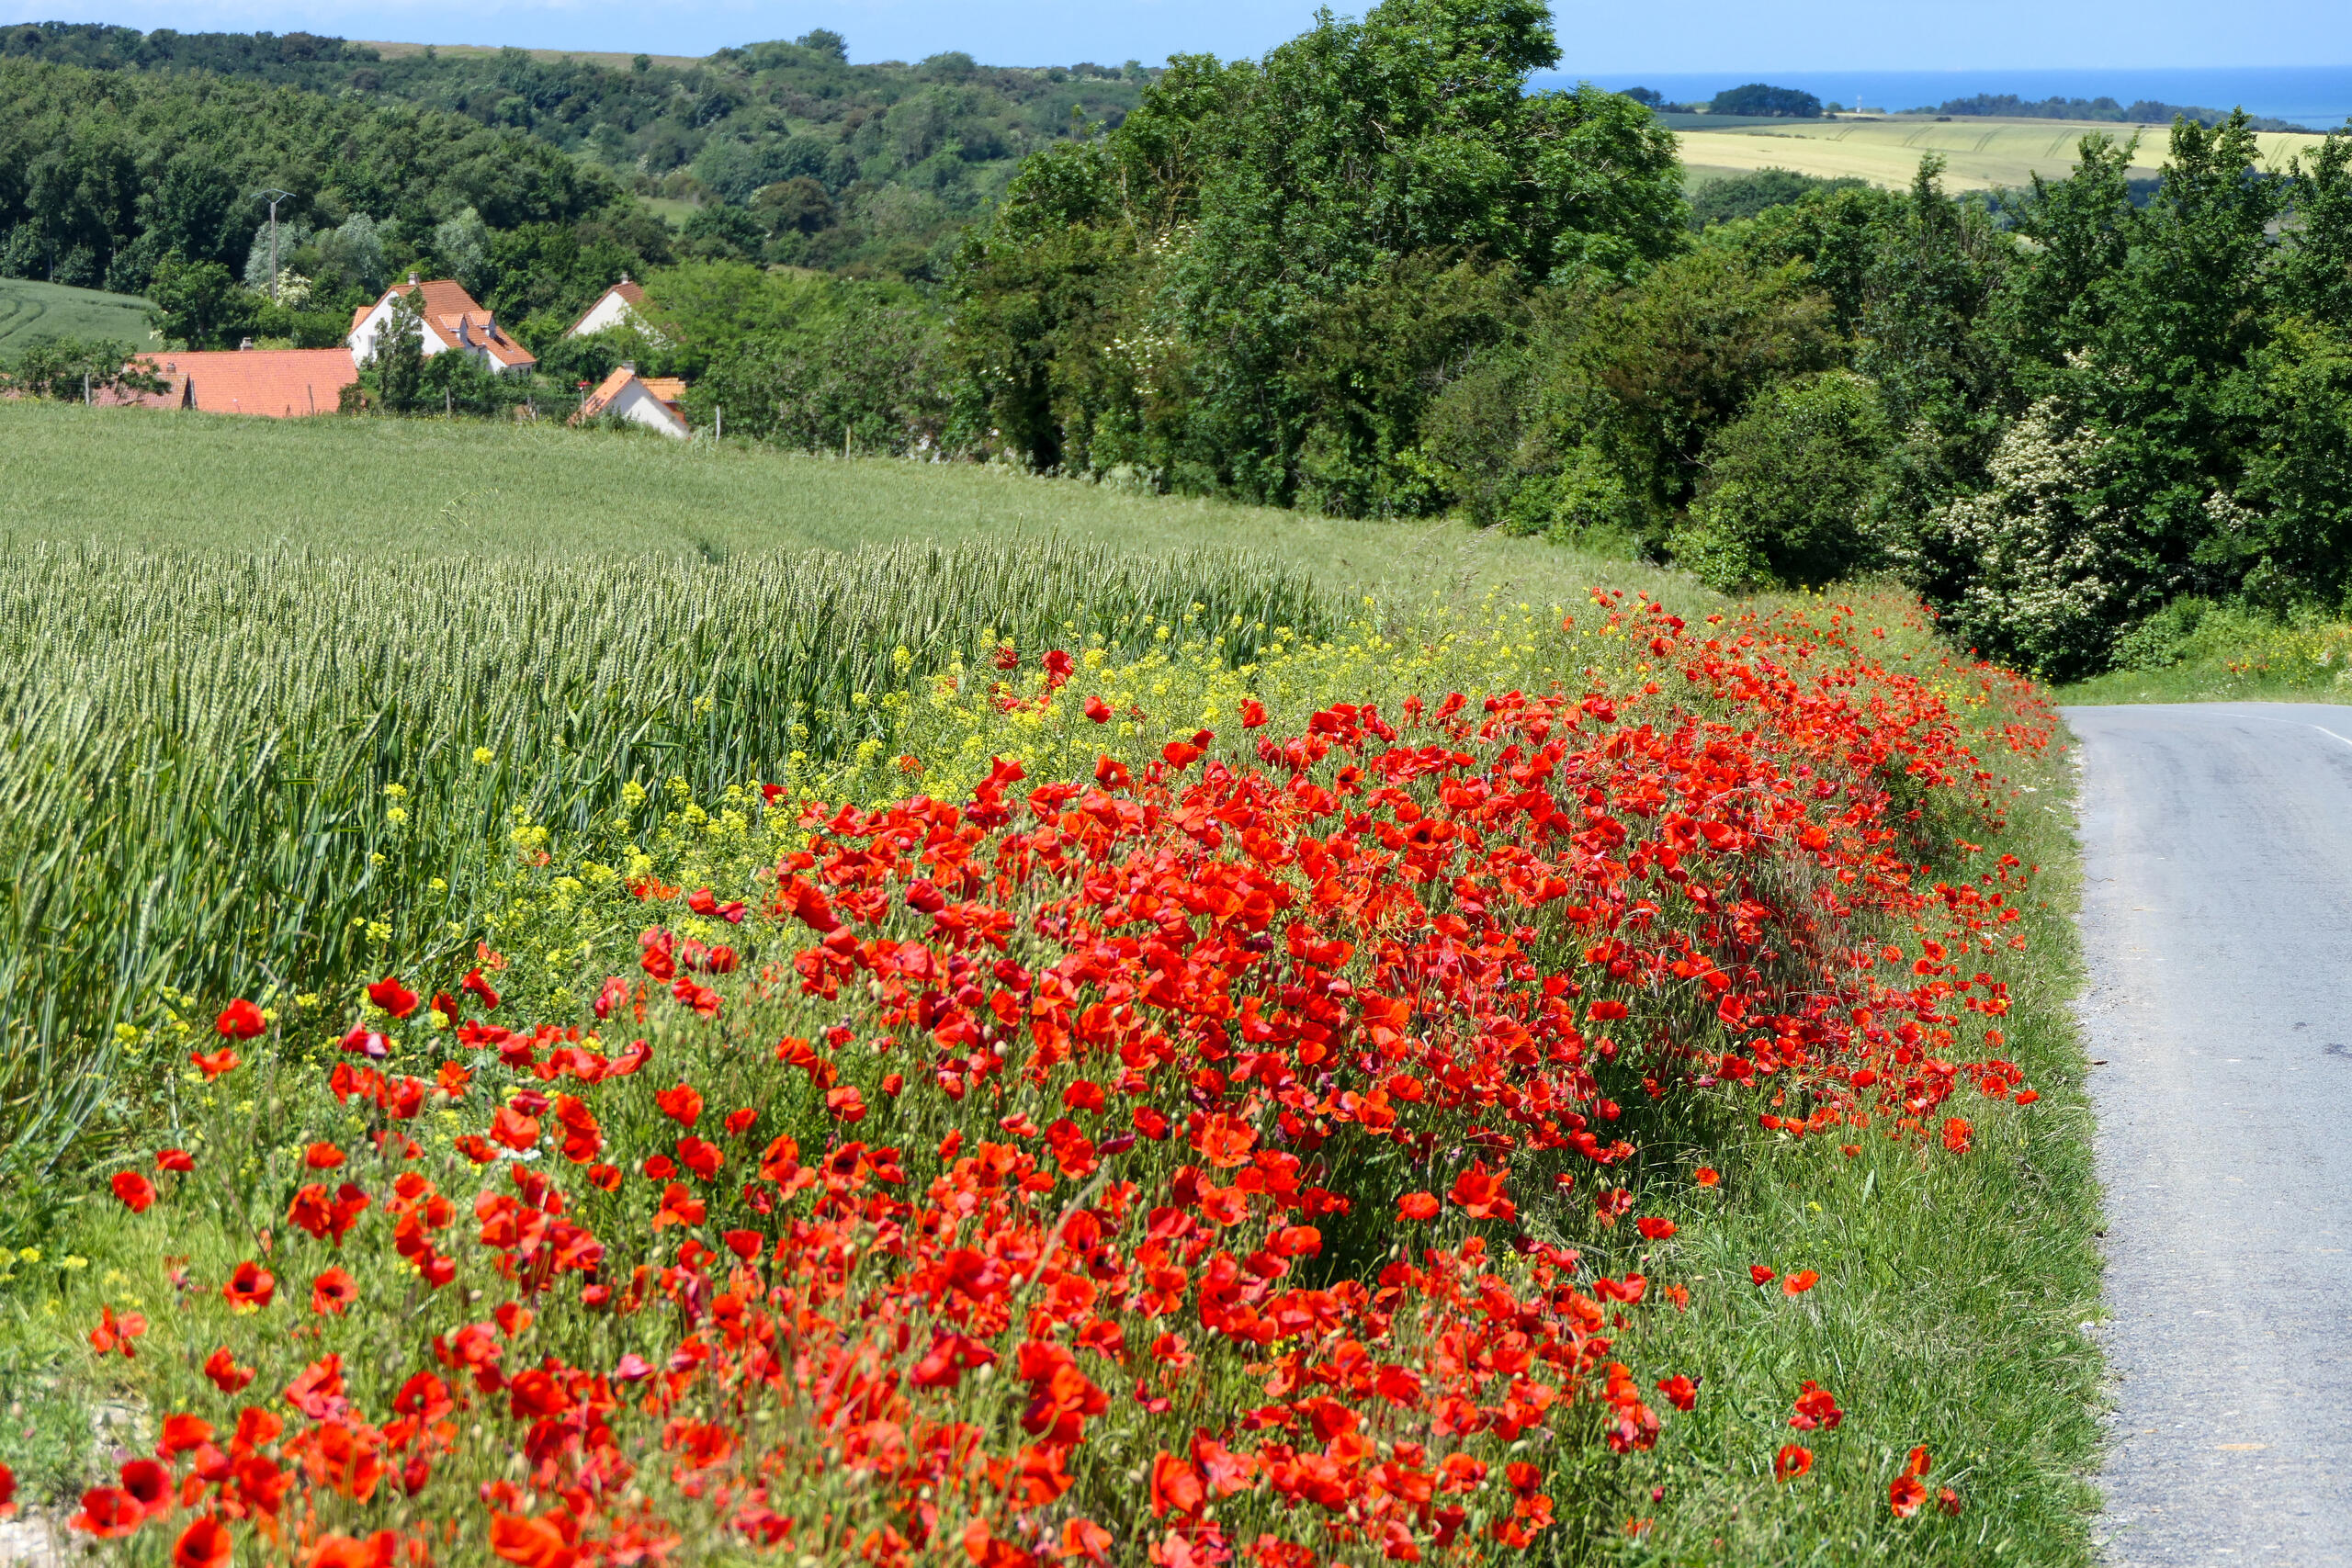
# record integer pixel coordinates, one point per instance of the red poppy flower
(1919, 1463)
(183, 1432)
(1225, 1205)
(323, 1156)
(529, 1542)
(1706, 1177)
(1816, 1406)
(251, 1285)
(681, 1104)
(740, 1122)
(1479, 1193)
(1947, 1501)
(1956, 1131)
(175, 1159)
(1083, 1539)
(108, 1513)
(136, 1191)
(1904, 1494)
(1801, 1281)
(1174, 1484)
(240, 1021)
(480, 987)
(226, 1375)
(215, 1062)
(845, 1104)
(679, 1207)
(1761, 1275)
(114, 1333)
(342, 1551)
(1679, 1391)
(150, 1482)
(1254, 713)
(206, 1543)
(1792, 1461)
(392, 997)
(1654, 1228)
(7, 1492)
(1097, 710)
(332, 1291)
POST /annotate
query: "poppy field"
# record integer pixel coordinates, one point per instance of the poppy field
(1168, 1113)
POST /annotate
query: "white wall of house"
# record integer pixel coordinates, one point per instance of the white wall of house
(612, 311)
(634, 403)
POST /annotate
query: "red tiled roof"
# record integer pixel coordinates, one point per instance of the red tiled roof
(280, 383)
(666, 390)
(625, 288)
(452, 315)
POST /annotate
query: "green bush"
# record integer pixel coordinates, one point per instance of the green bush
(1586, 504)
(1792, 487)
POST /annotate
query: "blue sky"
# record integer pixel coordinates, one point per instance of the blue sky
(1681, 35)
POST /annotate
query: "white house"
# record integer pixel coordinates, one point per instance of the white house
(651, 401)
(617, 306)
(452, 320)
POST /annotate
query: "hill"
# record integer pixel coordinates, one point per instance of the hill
(34, 313)
(1980, 153)
(895, 157)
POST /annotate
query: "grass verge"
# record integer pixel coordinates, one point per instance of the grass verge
(1950, 1285)
(2194, 651)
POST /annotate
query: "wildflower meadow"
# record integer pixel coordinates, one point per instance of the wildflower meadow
(1566, 1086)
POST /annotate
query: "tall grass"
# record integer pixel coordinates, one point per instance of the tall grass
(196, 748)
(379, 486)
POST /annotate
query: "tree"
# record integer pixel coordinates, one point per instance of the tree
(2168, 373)
(1755, 98)
(199, 305)
(396, 363)
(2315, 274)
(65, 368)
(1660, 365)
(462, 244)
(723, 233)
(1745, 195)
(798, 206)
(195, 211)
(1246, 214)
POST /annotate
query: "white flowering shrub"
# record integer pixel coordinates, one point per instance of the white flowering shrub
(2047, 581)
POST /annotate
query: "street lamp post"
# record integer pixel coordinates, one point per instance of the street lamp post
(274, 198)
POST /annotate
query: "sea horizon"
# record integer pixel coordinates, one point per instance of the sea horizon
(2318, 96)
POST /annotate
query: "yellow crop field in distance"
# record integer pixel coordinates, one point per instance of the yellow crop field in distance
(1979, 153)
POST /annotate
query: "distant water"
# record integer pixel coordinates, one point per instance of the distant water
(2316, 96)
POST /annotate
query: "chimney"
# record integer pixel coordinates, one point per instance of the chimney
(246, 344)
(412, 280)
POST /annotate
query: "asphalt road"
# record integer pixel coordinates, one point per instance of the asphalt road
(2218, 922)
